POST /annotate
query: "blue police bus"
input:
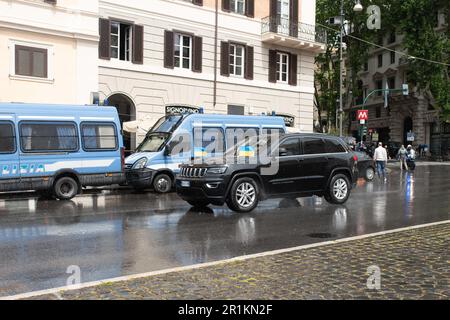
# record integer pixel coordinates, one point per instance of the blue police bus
(59, 149)
(155, 163)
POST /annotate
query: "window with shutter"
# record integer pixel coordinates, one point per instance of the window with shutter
(168, 49)
(282, 67)
(250, 8)
(272, 66)
(293, 18)
(198, 54)
(182, 51)
(226, 5)
(121, 40)
(224, 58)
(104, 47)
(293, 69)
(138, 44)
(237, 56)
(249, 62)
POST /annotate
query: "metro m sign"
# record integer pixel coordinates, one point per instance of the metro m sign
(363, 115)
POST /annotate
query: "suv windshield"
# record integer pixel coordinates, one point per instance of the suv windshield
(153, 142)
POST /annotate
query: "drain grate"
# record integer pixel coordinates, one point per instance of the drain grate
(322, 235)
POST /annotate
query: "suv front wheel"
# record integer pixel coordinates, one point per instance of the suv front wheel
(338, 190)
(244, 195)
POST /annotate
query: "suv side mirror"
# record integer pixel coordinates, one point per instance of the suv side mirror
(282, 152)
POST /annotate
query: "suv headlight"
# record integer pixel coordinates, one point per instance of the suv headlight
(140, 164)
(217, 170)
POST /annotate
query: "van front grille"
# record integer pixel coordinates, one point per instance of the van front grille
(193, 172)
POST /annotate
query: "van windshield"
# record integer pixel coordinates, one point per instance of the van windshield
(153, 142)
(166, 124)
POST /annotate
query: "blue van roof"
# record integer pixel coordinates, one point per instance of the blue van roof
(55, 109)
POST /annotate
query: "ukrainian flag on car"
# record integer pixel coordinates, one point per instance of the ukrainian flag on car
(200, 152)
(246, 151)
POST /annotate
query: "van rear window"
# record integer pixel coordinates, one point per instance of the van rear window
(7, 141)
(99, 136)
(44, 137)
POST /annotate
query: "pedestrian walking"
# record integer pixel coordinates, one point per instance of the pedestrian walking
(380, 157)
(402, 155)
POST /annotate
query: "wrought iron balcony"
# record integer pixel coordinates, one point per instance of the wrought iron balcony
(294, 35)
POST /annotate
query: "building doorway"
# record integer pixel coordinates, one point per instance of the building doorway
(127, 112)
(407, 127)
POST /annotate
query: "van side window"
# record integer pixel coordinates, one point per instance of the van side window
(333, 146)
(99, 136)
(235, 135)
(208, 141)
(7, 138)
(313, 146)
(48, 136)
(292, 147)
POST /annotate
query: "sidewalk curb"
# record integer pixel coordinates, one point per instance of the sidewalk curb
(57, 291)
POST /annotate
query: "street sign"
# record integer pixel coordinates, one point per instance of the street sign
(405, 89)
(410, 136)
(362, 122)
(363, 115)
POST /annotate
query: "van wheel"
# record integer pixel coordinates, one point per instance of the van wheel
(65, 188)
(339, 189)
(244, 195)
(162, 183)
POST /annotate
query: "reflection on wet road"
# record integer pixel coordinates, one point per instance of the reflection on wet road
(109, 234)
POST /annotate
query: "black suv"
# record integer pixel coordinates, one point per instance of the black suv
(307, 165)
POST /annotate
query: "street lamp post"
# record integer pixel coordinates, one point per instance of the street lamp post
(357, 8)
(341, 103)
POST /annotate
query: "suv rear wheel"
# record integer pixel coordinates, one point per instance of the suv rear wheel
(339, 189)
(244, 195)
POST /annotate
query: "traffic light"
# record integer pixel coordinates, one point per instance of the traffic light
(405, 89)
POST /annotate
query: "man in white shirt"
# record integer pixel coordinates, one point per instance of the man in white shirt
(380, 157)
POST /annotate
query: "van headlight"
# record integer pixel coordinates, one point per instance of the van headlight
(140, 164)
(217, 170)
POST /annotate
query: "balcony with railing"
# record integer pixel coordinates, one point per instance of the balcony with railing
(287, 33)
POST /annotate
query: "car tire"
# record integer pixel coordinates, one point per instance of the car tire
(199, 204)
(244, 195)
(338, 190)
(162, 183)
(65, 188)
(369, 175)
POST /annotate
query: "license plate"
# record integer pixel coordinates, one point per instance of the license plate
(185, 184)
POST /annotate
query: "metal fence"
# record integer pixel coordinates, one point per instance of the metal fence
(302, 31)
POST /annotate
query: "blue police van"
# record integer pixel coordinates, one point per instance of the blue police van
(156, 161)
(59, 149)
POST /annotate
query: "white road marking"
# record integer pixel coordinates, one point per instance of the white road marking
(57, 291)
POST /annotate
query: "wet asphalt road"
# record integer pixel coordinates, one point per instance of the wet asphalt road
(114, 233)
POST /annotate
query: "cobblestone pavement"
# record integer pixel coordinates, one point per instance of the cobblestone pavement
(415, 264)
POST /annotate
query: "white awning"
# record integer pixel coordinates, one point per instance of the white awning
(141, 125)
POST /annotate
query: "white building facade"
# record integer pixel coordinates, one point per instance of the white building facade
(49, 51)
(239, 57)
